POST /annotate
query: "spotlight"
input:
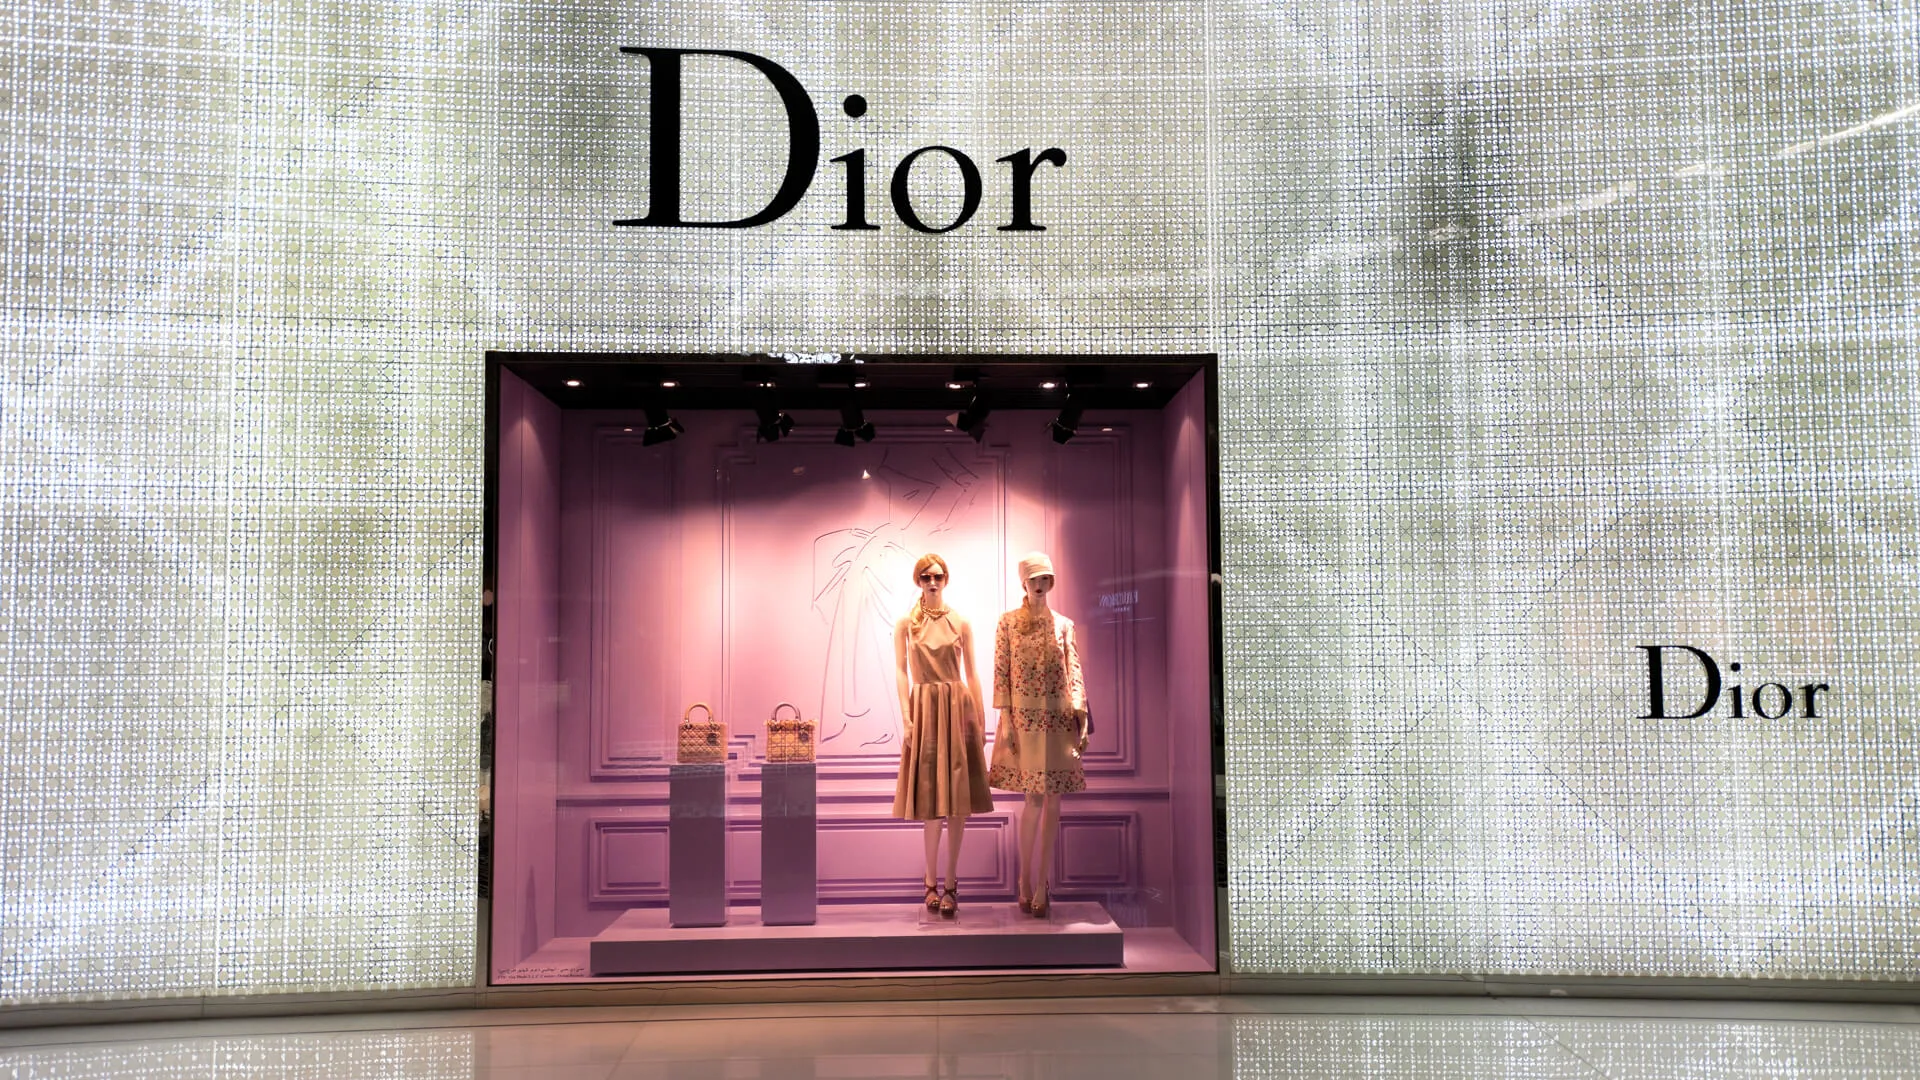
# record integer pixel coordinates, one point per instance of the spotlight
(1067, 424)
(669, 384)
(973, 420)
(1142, 385)
(573, 382)
(660, 428)
(1049, 385)
(773, 424)
(853, 424)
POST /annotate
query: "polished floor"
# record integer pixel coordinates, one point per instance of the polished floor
(1102, 1039)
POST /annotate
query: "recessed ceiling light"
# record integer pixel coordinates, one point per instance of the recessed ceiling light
(573, 382)
(1106, 429)
(1141, 385)
(1049, 385)
(861, 385)
(669, 384)
(768, 385)
(626, 429)
(956, 386)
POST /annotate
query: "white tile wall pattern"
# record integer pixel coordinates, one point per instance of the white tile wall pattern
(1550, 331)
(1546, 330)
(239, 496)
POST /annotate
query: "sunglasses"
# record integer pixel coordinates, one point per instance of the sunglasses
(930, 578)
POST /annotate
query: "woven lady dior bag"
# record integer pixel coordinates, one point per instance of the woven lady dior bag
(702, 742)
(790, 741)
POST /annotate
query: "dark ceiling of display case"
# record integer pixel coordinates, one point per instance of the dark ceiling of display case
(830, 381)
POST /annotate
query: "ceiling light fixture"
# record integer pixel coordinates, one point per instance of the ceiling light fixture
(660, 428)
(773, 424)
(972, 419)
(853, 425)
(1065, 426)
(573, 382)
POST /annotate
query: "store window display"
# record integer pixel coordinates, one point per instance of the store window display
(862, 584)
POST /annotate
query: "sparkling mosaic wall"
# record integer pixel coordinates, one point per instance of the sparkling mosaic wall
(239, 496)
(1547, 330)
(1552, 330)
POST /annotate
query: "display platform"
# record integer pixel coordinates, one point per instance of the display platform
(862, 937)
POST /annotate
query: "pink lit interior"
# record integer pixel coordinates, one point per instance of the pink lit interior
(633, 581)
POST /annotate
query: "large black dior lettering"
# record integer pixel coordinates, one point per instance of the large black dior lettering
(803, 154)
(1769, 701)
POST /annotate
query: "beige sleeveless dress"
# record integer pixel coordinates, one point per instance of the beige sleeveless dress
(943, 768)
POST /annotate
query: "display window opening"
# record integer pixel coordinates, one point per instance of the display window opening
(821, 664)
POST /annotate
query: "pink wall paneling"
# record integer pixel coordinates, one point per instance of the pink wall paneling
(1189, 669)
(527, 687)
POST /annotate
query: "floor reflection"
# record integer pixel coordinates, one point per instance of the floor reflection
(1113, 1039)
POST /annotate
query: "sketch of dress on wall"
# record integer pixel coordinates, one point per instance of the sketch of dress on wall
(861, 587)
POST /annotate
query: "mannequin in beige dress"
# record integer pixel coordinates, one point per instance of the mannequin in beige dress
(1042, 698)
(943, 768)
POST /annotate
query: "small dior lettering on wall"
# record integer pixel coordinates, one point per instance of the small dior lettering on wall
(1764, 699)
(803, 154)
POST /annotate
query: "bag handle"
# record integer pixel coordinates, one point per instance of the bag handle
(688, 715)
(784, 705)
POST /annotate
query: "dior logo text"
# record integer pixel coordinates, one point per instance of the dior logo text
(803, 154)
(1767, 700)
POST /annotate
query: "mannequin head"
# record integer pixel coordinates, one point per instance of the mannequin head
(1036, 578)
(1037, 588)
(930, 574)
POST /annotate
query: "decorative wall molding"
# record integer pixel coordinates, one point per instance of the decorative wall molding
(1115, 449)
(626, 862)
(627, 747)
(1097, 853)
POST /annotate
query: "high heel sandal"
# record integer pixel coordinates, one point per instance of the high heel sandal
(1026, 899)
(933, 896)
(1041, 905)
(949, 903)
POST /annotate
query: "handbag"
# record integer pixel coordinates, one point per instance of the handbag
(790, 741)
(702, 742)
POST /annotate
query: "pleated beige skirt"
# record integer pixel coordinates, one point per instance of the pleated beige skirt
(943, 769)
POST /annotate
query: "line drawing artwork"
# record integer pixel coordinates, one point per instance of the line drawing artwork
(861, 587)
